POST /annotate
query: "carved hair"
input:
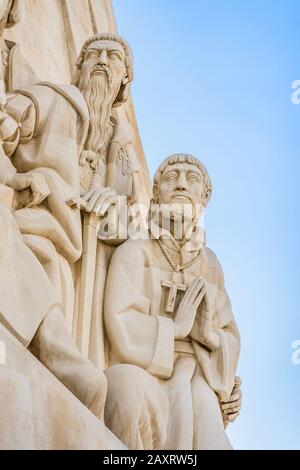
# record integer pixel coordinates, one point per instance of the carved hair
(125, 87)
(184, 158)
(15, 14)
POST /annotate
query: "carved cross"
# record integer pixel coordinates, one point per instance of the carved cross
(173, 287)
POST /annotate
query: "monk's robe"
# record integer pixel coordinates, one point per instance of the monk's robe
(164, 393)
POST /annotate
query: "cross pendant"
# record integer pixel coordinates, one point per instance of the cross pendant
(173, 287)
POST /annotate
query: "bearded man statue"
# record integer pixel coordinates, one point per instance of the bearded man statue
(34, 389)
(174, 341)
(68, 152)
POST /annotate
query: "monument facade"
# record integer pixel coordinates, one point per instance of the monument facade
(84, 313)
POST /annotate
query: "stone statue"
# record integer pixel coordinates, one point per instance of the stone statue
(51, 397)
(174, 341)
(48, 415)
(66, 158)
(42, 123)
(64, 142)
(109, 171)
(28, 309)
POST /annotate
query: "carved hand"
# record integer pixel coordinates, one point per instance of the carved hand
(187, 310)
(231, 408)
(35, 181)
(99, 200)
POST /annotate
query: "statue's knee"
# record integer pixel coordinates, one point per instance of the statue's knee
(128, 374)
(126, 384)
(95, 393)
(102, 383)
(95, 380)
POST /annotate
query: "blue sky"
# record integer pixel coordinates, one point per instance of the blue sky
(214, 78)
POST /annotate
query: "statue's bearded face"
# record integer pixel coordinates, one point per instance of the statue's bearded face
(104, 62)
(181, 184)
(102, 73)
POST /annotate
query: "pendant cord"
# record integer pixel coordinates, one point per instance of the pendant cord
(174, 266)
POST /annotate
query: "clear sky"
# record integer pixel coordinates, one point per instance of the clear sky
(214, 78)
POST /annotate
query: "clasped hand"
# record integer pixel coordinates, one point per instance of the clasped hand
(187, 309)
(185, 317)
(34, 181)
(99, 200)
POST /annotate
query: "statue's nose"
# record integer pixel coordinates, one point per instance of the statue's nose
(103, 58)
(181, 182)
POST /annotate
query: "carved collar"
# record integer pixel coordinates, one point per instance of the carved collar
(181, 257)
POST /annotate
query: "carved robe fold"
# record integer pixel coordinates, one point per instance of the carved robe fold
(18, 72)
(29, 311)
(52, 123)
(36, 410)
(25, 291)
(122, 173)
(48, 132)
(188, 379)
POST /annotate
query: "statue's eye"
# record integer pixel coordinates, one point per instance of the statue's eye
(171, 176)
(193, 178)
(92, 55)
(115, 55)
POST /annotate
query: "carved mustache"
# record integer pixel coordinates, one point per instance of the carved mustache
(182, 194)
(100, 68)
(105, 69)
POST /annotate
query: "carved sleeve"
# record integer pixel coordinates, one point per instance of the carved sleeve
(218, 365)
(18, 122)
(136, 337)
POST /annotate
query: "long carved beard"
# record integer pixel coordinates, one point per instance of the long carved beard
(99, 97)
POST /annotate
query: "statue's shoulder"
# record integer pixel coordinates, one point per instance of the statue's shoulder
(211, 259)
(44, 93)
(39, 96)
(72, 94)
(134, 249)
